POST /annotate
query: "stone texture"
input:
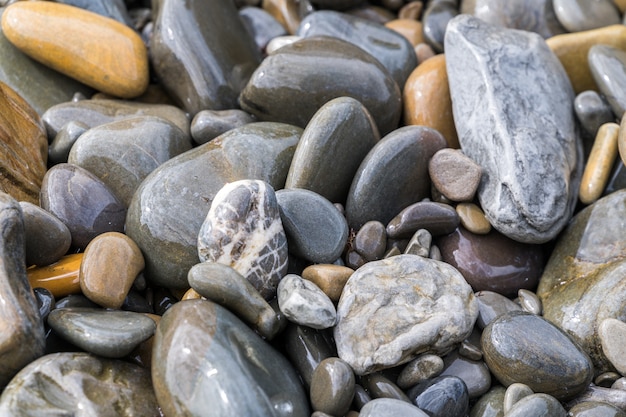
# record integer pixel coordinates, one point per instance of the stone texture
(329, 278)
(243, 230)
(607, 64)
(306, 348)
(537, 405)
(595, 409)
(332, 387)
(285, 11)
(114, 9)
(436, 17)
(261, 25)
(392, 310)
(514, 393)
(99, 52)
(209, 124)
(390, 407)
(491, 404)
(441, 396)
(492, 305)
(528, 191)
(379, 386)
(60, 278)
(612, 335)
(592, 111)
(420, 369)
(529, 301)
(47, 238)
(474, 373)
(455, 175)
(420, 243)
(437, 218)
(411, 29)
(304, 303)
(580, 15)
(614, 397)
(59, 148)
(473, 218)
(599, 163)
(371, 241)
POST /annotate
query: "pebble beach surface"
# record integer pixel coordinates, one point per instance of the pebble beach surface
(371, 208)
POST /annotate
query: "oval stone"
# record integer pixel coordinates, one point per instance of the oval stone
(209, 124)
(390, 407)
(47, 237)
(332, 387)
(437, 218)
(592, 111)
(537, 405)
(441, 396)
(306, 348)
(523, 347)
(595, 409)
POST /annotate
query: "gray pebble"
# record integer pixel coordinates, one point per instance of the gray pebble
(206, 125)
(304, 303)
(420, 369)
(47, 237)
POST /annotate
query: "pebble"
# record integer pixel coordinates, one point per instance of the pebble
(491, 404)
(60, 147)
(60, 278)
(45, 302)
(411, 29)
(474, 373)
(390, 407)
(115, 9)
(441, 396)
(473, 218)
(614, 397)
(529, 302)
(332, 387)
(612, 335)
(606, 379)
(437, 218)
(371, 241)
(111, 334)
(280, 41)
(492, 305)
(304, 303)
(592, 110)
(47, 238)
(455, 175)
(470, 351)
(361, 397)
(110, 57)
(111, 251)
(514, 393)
(306, 348)
(286, 12)
(420, 243)
(514, 170)
(595, 409)
(209, 124)
(607, 64)
(436, 17)
(380, 300)
(261, 25)
(537, 405)
(420, 369)
(411, 10)
(379, 386)
(329, 278)
(580, 15)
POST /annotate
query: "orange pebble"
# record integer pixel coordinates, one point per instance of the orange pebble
(60, 278)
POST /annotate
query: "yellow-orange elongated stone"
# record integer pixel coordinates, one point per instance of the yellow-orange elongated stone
(95, 50)
(599, 164)
(60, 278)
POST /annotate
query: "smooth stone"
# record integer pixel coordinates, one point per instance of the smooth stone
(614, 397)
(167, 211)
(572, 50)
(60, 147)
(621, 5)
(473, 219)
(580, 15)
(122, 153)
(47, 237)
(209, 124)
(80, 384)
(612, 335)
(110, 57)
(595, 409)
(306, 348)
(332, 387)
(492, 305)
(280, 41)
(114, 9)
(474, 373)
(332, 146)
(304, 303)
(420, 243)
(455, 175)
(45, 302)
(490, 404)
(377, 14)
(379, 386)
(436, 17)
(98, 112)
(286, 12)
(193, 374)
(514, 393)
(607, 64)
(530, 302)
(390, 48)
(425, 52)
(493, 261)
(83, 202)
(523, 347)
(620, 384)
(592, 111)
(470, 351)
(105, 253)
(201, 53)
(393, 175)
(136, 302)
(316, 230)
(607, 379)
(111, 334)
(537, 405)
(411, 29)
(329, 278)
(617, 180)
(75, 300)
(243, 230)
(354, 260)
(60, 278)
(225, 286)
(25, 147)
(390, 407)
(295, 81)
(361, 397)
(371, 241)
(403, 324)
(420, 369)
(516, 171)
(437, 218)
(261, 25)
(441, 396)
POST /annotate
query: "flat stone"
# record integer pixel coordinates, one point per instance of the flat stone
(435, 19)
(490, 404)
(389, 407)
(441, 396)
(167, 211)
(420, 369)
(329, 278)
(612, 335)
(112, 334)
(607, 64)
(304, 303)
(592, 111)
(80, 384)
(82, 202)
(437, 218)
(472, 218)
(455, 175)
(537, 405)
(523, 347)
(371, 305)
(579, 15)
(332, 387)
(292, 83)
(332, 146)
(47, 237)
(25, 150)
(393, 175)
(193, 374)
(110, 56)
(60, 278)
(209, 124)
(201, 53)
(243, 230)
(595, 409)
(371, 241)
(523, 195)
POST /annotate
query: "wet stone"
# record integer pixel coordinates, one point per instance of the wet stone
(280, 41)
(455, 175)
(420, 243)
(390, 407)
(606, 379)
(329, 278)
(209, 124)
(59, 149)
(514, 393)
(332, 387)
(115, 9)
(286, 12)
(529, 302)
(473, 218)
(614, 397)
(612, 335)
(607, 64)
(592, 111)
(437, 218)
(595, 409)
(361, 397)
(491, 404)
(470, 351)
(537, 405)
(435, 20)
(306, 348)
(420, 369)
(45, 302)
(261, 25)
(371, 241)
(47, 238)
(474, 373)
(441, 396)
(379, 386)
(580, 15)
(492, 305)
(302, 302)
(60, 278)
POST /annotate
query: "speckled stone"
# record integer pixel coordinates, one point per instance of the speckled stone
(420, 369)
(607, 64)
(304, 303)
(441, 396)
(474, 373)
(455, 175)
(437, 218)
(209, 124)
(390, 407)
(47, 237)
(580, 15)
(332, 387)
(329, 278)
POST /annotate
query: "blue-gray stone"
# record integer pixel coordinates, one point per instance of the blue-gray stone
(443, 396)
(47, 237)
(608, 66)
(113, 9)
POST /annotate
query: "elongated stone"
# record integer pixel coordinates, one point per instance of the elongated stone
(97, 51)
(577, 16)
(601, 159)
(332, 387)
(443, 395)
(60, 278)
(437, 218)
(529, 159)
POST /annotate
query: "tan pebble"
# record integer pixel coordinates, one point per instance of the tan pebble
(455, 175)
(190, 294)
(423, 51)
(285, 11)
(600, 163)
(473, 218)
(572, 50)
(330, 278)
(412, 30)
(110, 264)
(621, 5)
(427, 101)
(412, 10)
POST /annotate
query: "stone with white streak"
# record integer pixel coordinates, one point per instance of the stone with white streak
(243, 230)
(393, 310)
(304, 303)
(512, 105)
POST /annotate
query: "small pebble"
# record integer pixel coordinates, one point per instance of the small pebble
(420, 369)
(304, 303)
(606, 379)
(60, 278)
(390, 407)
(329, 278)
(437, 218)
(599, 164)
(514, 393)
(455, 175)
(59, 149)
(420, 243)
(612, 335)
(209, 124)
(441, 396)
(332, 387)
(47, 237)
(592, 111)
(473, 218)
(371, 241)
(475, 374)
(470, 351)
(529, 302)
(379, 386)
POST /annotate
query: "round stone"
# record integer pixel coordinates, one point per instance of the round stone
(612, 335)
(379, 386)
(332, 387)
(514, 393)
(607, 64)
(472, 218)
(581, 15)
(491, 404)
(592, 111)
(371, 241)
(455, 175)
(537, 405)
(59, 149)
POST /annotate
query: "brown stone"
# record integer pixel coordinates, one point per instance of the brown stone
(455, 175)
(285, 11)
(60, 278)
(427, 101)
(600, 163)
(423, 51)
(411, 10)
(473, 218)
(411, 29)
(24, 150)
(621, 5)
(330, 278)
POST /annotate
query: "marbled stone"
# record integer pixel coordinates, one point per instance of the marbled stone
(114, 9)
(387, 46)
(537, 405)
(60, 278)
(612, 335)
(393, 175)
(419, 244)
(25, 148)
(523, 347)
(371, 241)
(332, 387)
(206, 362)
(292, 83)
(304, 303)
(455, 175)
(437, 218)
(306, 348)
(420, 369)
(47, 237)
(592, 111)
(608, 64)
(332, 146)
(329, 278)
(243, 230)
(379, 386)
(580, 15)
(492, 305)
(316, 230)
(209, 124)
(441, 396)
(529, 159)
(595, 409)
(111, 334)
(385, 316)
(60, 147)
(514, 393)
(390, 407)
(435, 19)
(473, 218)
(168, 209)
(99, 52)
(261, 25)
(82, 202)
(201, 53)
(491, 404)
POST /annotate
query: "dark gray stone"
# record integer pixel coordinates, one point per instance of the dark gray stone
(592, 111)
(474, 373)
(261, 25)
(444, 396)
(47, 237)
(209, 124)
(608, 67)
(437, 218)
(435, 21)
(491, 404)
(306, 348)
(59, 149)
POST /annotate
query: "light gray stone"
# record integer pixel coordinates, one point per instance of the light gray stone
(580, 15)
(522, 133)
(390, 407)
(537, 405)
(612, 335)
(419, 370)
(608, 66)
(304, 303)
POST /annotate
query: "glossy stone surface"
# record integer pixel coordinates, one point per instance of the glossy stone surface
(514, 393)
(304, 303)
(612, 335)
(114, 9)
(371, 241)
(537, 405)
(492, 305)
(379, 386)
(522, 347)
(390, 407)
(490, 404)
(599, 163)
(435, 19)
(437, 218)
(474, 373)
(528, 191)
(441, 396)
(580, 15)
(291, 84)
(595, 409)
(607, 64)
(59, 148)
(207, 362)
(332, 387)
(330, 278)
(420, 369)
(47, 238)
(261, 25)
(473, 219)
(209, 124)
(60, 278)
(306, 348)
(592, 111)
